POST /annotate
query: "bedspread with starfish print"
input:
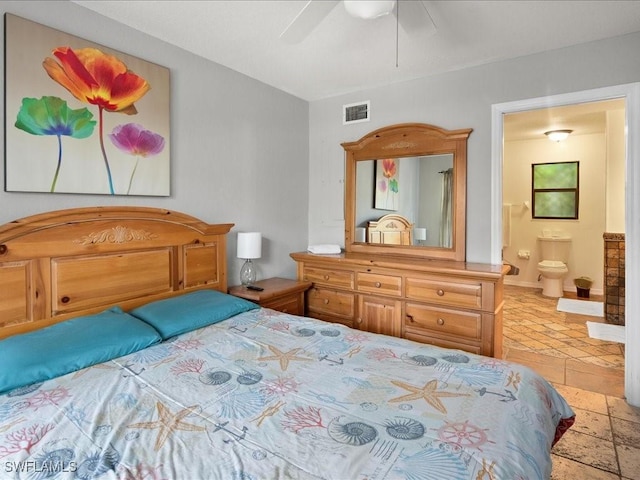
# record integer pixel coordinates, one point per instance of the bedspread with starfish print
(267, 395)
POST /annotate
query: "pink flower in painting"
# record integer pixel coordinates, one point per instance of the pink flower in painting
(135, 140)
(382, 186)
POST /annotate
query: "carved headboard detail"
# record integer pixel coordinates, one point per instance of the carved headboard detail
(66, 263)
(390, 230)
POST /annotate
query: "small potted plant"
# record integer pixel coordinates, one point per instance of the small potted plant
(583, 285)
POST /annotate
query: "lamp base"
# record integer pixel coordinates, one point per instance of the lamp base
(248, 273)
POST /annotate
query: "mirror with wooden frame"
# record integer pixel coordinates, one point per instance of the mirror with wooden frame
(405, 192)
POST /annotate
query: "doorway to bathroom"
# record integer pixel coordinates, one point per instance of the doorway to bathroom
(519, 135)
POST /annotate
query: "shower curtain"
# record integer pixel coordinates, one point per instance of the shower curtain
(446, 228)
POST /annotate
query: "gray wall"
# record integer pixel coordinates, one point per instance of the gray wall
(455, 100)
(239, 147)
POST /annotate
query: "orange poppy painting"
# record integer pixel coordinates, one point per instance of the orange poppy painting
(82, 118)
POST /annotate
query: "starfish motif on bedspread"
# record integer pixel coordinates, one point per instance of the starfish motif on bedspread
(284, 357)
(429, 393)
(168, 423)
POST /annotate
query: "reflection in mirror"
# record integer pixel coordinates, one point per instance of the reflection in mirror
(424, 198)
(400, 170)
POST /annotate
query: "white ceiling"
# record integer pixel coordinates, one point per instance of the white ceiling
(344, 54)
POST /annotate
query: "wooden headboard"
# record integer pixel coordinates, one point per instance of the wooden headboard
(62, 264)
(391, 229)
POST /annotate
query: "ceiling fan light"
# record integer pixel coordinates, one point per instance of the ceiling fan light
(369, 9)
(557, 135)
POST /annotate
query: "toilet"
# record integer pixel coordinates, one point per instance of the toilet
(554, 252)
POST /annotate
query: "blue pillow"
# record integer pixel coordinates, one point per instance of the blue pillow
(71, 345)
(191, 311)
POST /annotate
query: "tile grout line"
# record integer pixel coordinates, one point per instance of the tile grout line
(613, 436)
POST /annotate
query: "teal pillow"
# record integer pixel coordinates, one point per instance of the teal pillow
(191, 311)
(71, 345)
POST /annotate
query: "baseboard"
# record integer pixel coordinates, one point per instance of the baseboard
(509, 280)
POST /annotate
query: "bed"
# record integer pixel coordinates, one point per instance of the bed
(124, 358)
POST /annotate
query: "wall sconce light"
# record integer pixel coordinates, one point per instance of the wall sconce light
(557, 135)
(369, 9)
(249, 247)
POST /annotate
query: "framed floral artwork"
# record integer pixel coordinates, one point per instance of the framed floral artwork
(82, 118)
(386, 189)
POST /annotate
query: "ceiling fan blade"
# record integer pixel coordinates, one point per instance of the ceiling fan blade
(414, 17)
(309, 18)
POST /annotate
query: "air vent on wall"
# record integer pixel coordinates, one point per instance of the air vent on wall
(356, 112)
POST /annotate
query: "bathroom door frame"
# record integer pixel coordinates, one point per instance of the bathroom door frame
(631, 94)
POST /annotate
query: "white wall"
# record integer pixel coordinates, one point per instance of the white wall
(455, 100)
(615, 207)
(239, 148)
(585, 232)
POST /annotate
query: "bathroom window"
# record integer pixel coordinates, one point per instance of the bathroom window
(554, 190)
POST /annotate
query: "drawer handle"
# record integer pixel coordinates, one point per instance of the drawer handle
(378, 284)
(440, 321)
(359, 320)
(326, 301)
(440, 292)
(326, 277)
(410, 317)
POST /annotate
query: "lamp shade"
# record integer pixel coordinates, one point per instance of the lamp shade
(249, 245)
(420, 233)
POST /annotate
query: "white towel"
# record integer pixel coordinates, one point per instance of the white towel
(328, 249)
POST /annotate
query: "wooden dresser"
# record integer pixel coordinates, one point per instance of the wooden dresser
(441, 302)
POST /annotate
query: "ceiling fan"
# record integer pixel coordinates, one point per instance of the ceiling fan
(411, 15)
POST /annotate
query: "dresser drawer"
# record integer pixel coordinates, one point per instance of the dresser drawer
(443, 292)
(442, 321)
(326, 276)
(325, 301)
(377, 283)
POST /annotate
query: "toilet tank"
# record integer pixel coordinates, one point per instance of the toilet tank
(555, 247)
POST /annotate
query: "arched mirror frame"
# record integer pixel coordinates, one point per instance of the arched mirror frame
(410, 140)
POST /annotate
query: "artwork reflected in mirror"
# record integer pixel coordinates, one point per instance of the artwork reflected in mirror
(423, 196)
(386, 184)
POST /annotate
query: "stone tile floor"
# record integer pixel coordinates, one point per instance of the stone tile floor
(604, 442)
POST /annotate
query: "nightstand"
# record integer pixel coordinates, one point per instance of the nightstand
(279, 294)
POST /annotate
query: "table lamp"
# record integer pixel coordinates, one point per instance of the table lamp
(249, 247)
(420, 235)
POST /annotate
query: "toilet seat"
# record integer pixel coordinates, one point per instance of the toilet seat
(552, 265)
